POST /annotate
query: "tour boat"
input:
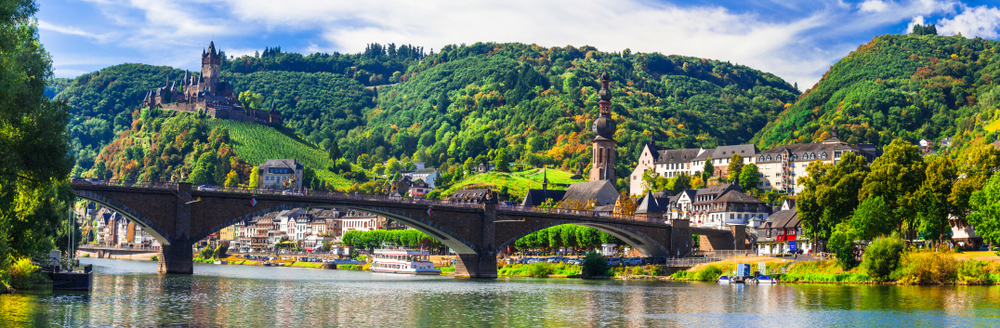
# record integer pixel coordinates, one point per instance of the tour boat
(402, 261)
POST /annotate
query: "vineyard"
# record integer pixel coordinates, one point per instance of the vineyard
(257, 143)
(517, 183)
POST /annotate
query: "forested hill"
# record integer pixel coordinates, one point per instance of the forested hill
(538, 104)
(909, 86)
(465, 101)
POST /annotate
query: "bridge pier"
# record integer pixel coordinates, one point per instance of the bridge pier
(476, 266)
(176, 258)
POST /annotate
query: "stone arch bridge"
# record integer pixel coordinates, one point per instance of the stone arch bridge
(178, 216)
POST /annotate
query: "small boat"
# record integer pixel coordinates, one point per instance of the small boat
(725, 280)
(402, 261)
(765, 280)
(220, 262)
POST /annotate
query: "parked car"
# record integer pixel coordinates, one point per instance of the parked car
(633, 261)
(78, 180)
(207, 188)
(94, 180)
(291, 192)
(614, 261)
(554, 259)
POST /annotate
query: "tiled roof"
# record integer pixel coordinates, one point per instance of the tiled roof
(728, 151)
(282, 163)
(673, 156)
(536, 197)
(601, 191)
(648, 205)
(736, 196)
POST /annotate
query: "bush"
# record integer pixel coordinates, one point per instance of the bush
(595, 266)
(683, 274)
(926, 268)
(709, 273)
(154, 258)
(206, 253)
(973, 272)
(842, 243)
(882, 256)
(22, 273)
(448, 269)
(539, 270)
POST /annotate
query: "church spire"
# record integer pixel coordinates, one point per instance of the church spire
(545, 179)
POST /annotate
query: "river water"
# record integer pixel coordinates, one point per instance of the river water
(130, 293)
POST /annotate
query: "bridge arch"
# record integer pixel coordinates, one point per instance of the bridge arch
(129, 213)
(637, 240)
(445, 236)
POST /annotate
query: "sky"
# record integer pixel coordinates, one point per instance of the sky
(795, 40)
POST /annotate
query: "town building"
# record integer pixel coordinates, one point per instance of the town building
(782, 166)
(670, 163)
(428, 175)
(281, 174)
(419, 189)
(782, 232)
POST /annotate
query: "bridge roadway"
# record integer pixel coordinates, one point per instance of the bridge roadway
(178, 216)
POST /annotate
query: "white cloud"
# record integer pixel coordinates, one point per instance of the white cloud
(798, 48)
(44, 25)
(979, 21)
(873, 6)
(918, 20)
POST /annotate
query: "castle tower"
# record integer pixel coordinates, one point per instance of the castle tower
(211, 67)
(604, 142)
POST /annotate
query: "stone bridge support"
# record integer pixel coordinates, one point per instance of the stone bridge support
(482, 264)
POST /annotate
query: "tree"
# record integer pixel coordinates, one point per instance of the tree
(204, 170)
(872, 219)
(334, 151)
(830, 195)
(897, 176)
(735, 167)
(985, 206)
(232, 180)
(34, 145)
(500, 162)
(680, 183)
(749, 178)
(708, 170)
(842, 244)
(933, 207)
(975, 166)
(254, 177)
(627, 205)
(251, 100)
(392, 166)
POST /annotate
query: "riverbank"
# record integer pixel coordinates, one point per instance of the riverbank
(914, 268)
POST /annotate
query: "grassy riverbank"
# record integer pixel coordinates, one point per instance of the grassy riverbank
(913, 268)
(538, 270)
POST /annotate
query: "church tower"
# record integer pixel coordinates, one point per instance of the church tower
(604, 142)
(211, 68)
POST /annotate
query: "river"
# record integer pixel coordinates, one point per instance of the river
(131, 293)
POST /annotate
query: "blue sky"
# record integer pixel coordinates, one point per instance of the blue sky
(796, 40)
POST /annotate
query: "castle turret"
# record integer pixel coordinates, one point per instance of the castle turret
(211, 65)
(604, 142)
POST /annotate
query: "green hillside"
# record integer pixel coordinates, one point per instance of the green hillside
(256, 143)
(463, 102)
(174, 146)
(908, 86)
(517, 183)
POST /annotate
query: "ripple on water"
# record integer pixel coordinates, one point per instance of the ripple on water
(130, 293)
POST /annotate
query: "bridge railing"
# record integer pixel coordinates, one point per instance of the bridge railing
(692, 261)
(366, 197)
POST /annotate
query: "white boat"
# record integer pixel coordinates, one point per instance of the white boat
(402, 261)
(765, 280)
(725, 280)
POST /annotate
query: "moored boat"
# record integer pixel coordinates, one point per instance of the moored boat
(765, 280)
(402, 261)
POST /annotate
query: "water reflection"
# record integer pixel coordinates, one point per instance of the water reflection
(128, 293)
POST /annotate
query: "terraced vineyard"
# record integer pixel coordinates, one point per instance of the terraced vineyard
(249, 142)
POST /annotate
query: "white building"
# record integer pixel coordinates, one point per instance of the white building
(276, 172)
(428, 175)
(670, 163)
(782, 166)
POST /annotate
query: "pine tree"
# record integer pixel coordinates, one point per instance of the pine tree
(334, 151)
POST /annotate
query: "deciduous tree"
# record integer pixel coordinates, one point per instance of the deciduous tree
(735, 167)
(830, 194)
(896, 176)
(749, 178)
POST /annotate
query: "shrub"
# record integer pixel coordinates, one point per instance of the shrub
(448, 269)
(22, 273)
(154, 258)
(709, 273)
(926, 268)
(595, 266)
(206, 253)
(882, 256)
(973, 272)
(842, 243)
(539, 270)
(654, 270)
(682, 274)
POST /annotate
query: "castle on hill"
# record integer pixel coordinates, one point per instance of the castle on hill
(208, 94)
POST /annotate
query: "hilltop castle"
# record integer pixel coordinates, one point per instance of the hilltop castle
(208, 94)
